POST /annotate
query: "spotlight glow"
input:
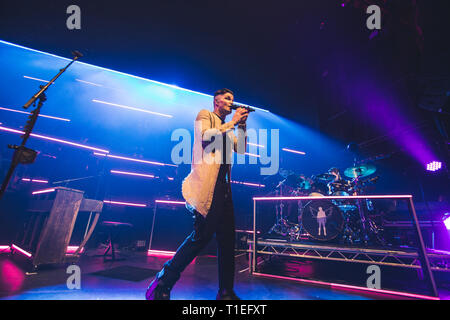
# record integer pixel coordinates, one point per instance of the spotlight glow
(434, 166)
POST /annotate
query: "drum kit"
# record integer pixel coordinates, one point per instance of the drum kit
(345, 221)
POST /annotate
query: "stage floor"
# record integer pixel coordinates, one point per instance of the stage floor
(128, 280)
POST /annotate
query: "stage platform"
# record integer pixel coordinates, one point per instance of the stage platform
(128, 280)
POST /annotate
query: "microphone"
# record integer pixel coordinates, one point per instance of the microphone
(235, 105)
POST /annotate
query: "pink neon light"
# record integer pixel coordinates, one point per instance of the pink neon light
(135, 160)
(249, 184)
(72, 249)
(21, 251)
(34, 180)
(125, 203)
(133, 174)
(132, 108)
(294, 151)
(39, 181)
(43, 191)
(160, 253)
(343, 287)
(54, 139)
(334, 197)
(40, 115)
(169, 178)
(5, 248)
(170, 202)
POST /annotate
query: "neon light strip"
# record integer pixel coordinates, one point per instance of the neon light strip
(170, 202)
(255, 144)
(5, 248)
(21, 250)
(91, 83)
(135, 160)
(294, 151)
(117, 72)
(40, 115)
(249, 184)
(36, 79)
(44, 191)
(334, 197)
(34, 180)
(39, 181)
(160, 253)
(349, 287)
(132, 108)
(54, 139)
(72, 249)
(125, 203)
(133, 174)
(252, 155)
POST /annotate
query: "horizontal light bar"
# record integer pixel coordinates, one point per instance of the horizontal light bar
(252, 155)
(133, 159)
(73, 249)
(255, 144)
(117, 72)
(44, 191)
(34, 180)
(334, 197)
(132, 108)
(37, 79)
(125, 203)
(293, 151)
(249, 184)
(339, 286)
(54, 139)
(21, 250)
(170, 202)
(40, 115)
(133, 174)
(91, 83)
(161, 253)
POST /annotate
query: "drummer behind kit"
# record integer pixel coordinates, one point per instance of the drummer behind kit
(342, 220)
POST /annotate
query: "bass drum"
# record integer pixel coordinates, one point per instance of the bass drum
(322, 220)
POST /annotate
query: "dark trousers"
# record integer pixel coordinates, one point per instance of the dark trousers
(218, 221)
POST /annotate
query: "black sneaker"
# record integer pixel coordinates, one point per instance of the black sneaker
(157, 291)
(227, 295)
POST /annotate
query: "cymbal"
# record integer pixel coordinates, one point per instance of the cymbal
(360, 171)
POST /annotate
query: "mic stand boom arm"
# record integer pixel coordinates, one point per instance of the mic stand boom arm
(22, 154)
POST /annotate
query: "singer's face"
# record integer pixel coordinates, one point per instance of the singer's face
(222, 103)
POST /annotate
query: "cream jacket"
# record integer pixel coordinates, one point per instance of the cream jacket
(198, 186)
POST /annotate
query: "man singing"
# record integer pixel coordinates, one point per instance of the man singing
(207, 192)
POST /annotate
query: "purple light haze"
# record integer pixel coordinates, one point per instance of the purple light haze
(447, 221)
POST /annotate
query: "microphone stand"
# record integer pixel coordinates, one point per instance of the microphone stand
(22, 154)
